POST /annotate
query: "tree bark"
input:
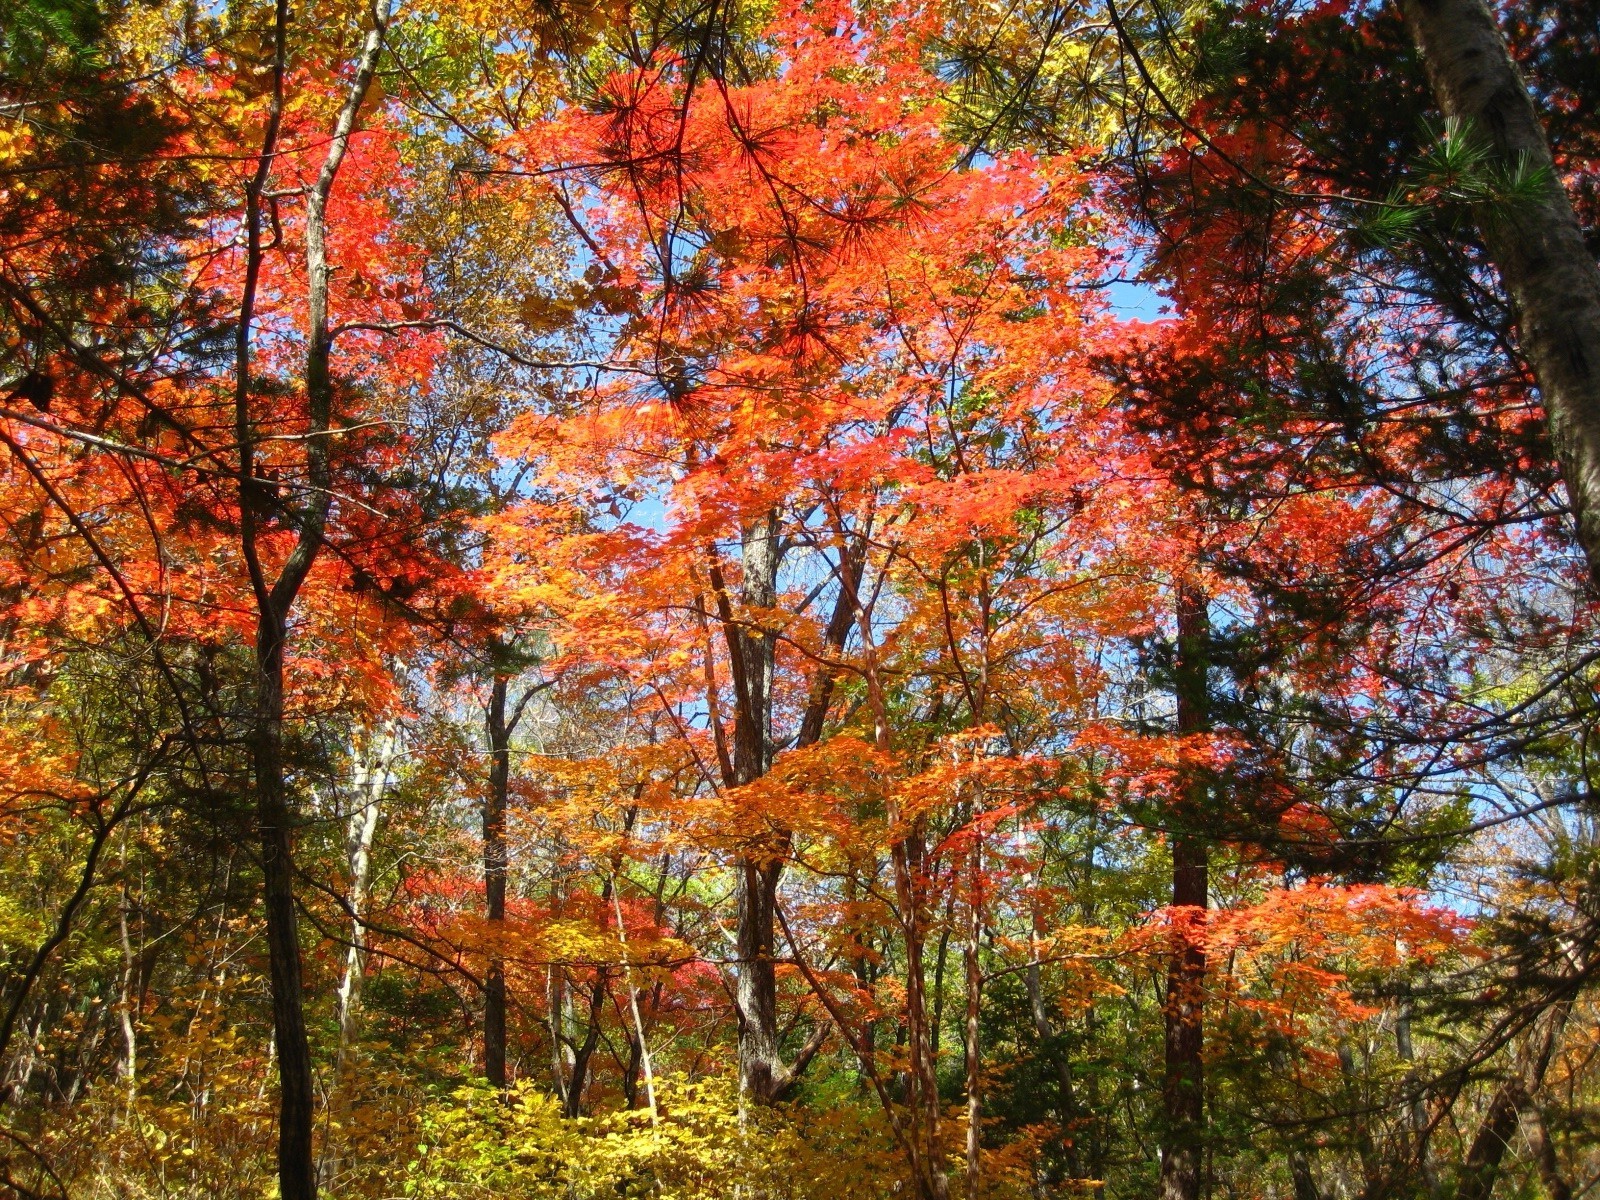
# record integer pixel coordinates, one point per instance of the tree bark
(1044, 1029)
(275, 598)
(572, 1091)
(1536, 245)
(1183, 1081)
(1544, 1153)
(1416, 1111)
(371, 783)
(974, 1002)
(494, 883)
(296, 1169)
(1481, 1168)
(751, 654)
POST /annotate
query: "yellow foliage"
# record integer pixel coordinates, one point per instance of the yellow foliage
(700, 1147)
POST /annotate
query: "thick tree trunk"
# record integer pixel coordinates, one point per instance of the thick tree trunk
(555, 992)
(761, 1069)
(751, 653)
(1305, 1184)
(494, 883)
(1537, 245)
(1183, 1082)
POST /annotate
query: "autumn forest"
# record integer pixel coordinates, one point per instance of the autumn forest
(799, 599)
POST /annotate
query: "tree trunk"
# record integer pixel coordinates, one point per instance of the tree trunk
(1416, 1111)
(1305, 1184)
(275, 598)
(371, 782)
(1537, 245)
(494, 884)
(1481, 1168)
(296, 1168)
(1544, 1153)
(760, 1067)
(555, 987)
(1183, 1082)
(974, 1000)
(751, 652)
(572, 1094)
(633, 1007)
(1044, 1029)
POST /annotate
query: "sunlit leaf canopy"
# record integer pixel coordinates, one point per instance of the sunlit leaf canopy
(794, 599)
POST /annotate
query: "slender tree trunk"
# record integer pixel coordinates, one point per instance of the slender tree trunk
(633, 1008)
(494, 883)
(974, 1001)
(372, 777)
(1481, 1169)
(1416, 1112)
(907, 859)
(1537, 245)
(1360, 1127)
(940, 958)
(572, 1095)
(275, 598)
(1044, 1030)
(125, 989)
(922, 1080)
(1183, 1082)
(296, 1167)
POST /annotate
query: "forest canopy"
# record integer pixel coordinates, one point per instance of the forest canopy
(799, 599)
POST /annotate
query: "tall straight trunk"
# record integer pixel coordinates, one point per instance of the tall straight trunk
(372, 776)
(751, 654)
(555, 986)
(761, 1069)
(1183, 1079)
(494, 883)
(275, 597)
(633, 1007)
(974, 1001)
(1536, 245)
(908, 857)
(1416, 1111)
(274, 818)
(1360, 1127)
(129, 1068)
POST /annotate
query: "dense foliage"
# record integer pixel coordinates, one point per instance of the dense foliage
(813, 598)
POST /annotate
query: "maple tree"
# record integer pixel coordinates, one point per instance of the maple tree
(796, 599)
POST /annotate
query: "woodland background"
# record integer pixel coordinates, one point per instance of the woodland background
(799, 598)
